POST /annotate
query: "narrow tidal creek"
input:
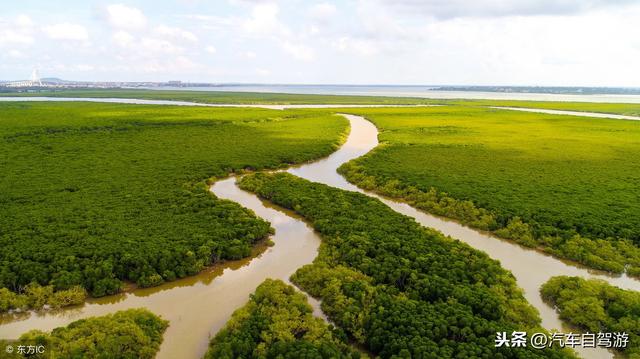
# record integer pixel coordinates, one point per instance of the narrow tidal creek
(197, 307)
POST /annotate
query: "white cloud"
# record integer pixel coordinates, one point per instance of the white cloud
(23, 21)
(66, 31)
(179, 64)
(414, 41)
(124, 17)
(146, 47)
(18, 31)
(10, 36)
(379, 23)
(298, 51)
(323, 11)
(149, 55)
(185, 63)
(263, 72)
(158, 46)
(16, 54)
(175, 33)
(123, 39)
(496, 8)
(356, 46)
(264, 21)
(211, 22)
(84, 67)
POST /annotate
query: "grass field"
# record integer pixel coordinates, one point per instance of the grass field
(566, 184)
(96, 194)
(615, 108)
(224, 97)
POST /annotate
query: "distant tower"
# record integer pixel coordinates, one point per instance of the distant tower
(35, 78)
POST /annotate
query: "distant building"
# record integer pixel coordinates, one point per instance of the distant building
(34, 81)
(35, 78)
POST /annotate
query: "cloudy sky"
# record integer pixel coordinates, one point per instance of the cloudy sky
(483, 42)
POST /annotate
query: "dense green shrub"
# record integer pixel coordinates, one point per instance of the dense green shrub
(36, 296)
(560, 183)
(396, 287)
(134, 333)
(278, 323)
(97, 194)
(597, 306)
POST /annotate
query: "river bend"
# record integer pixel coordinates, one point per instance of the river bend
(197, 307)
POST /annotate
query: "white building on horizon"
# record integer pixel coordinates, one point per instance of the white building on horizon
(34, 81)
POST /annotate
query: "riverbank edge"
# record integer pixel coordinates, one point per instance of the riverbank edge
(259, 246)
(324, 254)
(288, 99)
(465, 212)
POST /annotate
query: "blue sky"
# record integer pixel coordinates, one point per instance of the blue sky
(484, 42)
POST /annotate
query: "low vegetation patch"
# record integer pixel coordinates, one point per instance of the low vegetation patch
(133, 333)
(229, 97)
(395, 287)
(627, 109)
(597, 306)
(278, 323)
(560, 183)
(93, 195)
(35, 296)
(224, 97)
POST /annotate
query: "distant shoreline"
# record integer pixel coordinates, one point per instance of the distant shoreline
(324, 88)
(616, 95)
(385, 93)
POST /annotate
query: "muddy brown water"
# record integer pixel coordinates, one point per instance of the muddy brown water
(197, 307)
(530, 267)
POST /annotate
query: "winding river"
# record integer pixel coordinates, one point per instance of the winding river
(197, 307)
(530, 267)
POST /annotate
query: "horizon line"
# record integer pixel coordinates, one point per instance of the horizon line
(214, 84)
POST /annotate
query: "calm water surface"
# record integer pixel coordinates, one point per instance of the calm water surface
(411, 91)
(184, 103)
(570, 113)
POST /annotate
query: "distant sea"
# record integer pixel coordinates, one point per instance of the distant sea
(490, 93)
